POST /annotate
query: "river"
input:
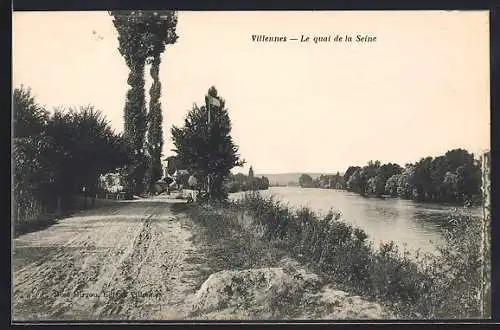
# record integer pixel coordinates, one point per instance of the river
(409, 224)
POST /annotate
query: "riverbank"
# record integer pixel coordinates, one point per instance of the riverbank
(475, 202)
(443, 286)
(258, 279)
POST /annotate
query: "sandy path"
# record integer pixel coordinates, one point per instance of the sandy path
(130, 260)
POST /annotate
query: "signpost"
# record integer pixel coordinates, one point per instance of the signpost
(215, 102)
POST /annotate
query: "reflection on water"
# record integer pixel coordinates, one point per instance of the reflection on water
(410, 224)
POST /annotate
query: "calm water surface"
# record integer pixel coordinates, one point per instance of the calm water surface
(411, 224)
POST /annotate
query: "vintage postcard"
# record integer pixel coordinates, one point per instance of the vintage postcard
(250, 165)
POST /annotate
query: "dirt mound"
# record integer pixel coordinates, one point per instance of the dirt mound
(332, 304)
(287, 292)
(253, 290)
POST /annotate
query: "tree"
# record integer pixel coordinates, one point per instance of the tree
(134, 46)
(439, 168)
(387, 170)
(33, 171)
(352, 183)
(264, 183)
(305, 181)
(391, 185)
(208, 150)
(88, 146)
(160, 32)
(250, 172)
(54, 156)
(375, 186)
(28, 117)
(405, 188)
(450, 186)
(348, 174)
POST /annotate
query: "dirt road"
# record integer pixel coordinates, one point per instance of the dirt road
(129, 260)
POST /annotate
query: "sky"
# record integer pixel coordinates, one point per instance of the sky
(421, 89)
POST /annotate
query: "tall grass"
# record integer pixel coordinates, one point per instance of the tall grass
(443, 286)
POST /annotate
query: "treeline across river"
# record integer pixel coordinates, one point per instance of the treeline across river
(241, 182)
(454, 177)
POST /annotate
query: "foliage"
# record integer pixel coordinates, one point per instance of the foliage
(143, 35)
(347, 175)
(28, 117)
(241, 182)
(161, 27)
(173, 164)
(90, 146)
(421, 286)
(453, 177)
(375, 186)
(306, 181)
(326, 181)
(456, 271)
(207, 149)
(34, 174)
(63, 152)
(391, 185)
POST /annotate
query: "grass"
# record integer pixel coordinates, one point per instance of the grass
(257, 231)
(231, 247)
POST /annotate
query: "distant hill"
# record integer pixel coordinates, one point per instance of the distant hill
(288, 178)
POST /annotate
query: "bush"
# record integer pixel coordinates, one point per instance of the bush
(420, 286)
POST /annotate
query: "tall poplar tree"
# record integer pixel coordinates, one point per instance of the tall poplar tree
(132, 38)
(160, 32)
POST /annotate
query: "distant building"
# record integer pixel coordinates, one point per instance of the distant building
(172, 164)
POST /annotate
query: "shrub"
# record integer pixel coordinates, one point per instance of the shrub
(422, 286)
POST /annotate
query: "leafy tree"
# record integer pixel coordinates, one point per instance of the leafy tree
(250, 172)
(391, 185)
(88, 146)
(241, 182)
(385, 171)
(208, 149)
(305, 181)
(28, 117)
(240, 177)
(439, 168)
(348, 174)
(57, 155)
(422, 180)
(34, 171)
(173, 164)
(360, 182)
(354, 182)
(405, 188)
(264, 183)
(450, 186)
(375, 186)
(337, 181)
(453, 177)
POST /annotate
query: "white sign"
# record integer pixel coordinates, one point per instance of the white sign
(213, 101)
